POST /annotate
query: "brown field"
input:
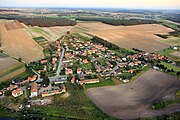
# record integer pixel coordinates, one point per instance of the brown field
(137, 36)
(20, 44)
(132, 100)
(6, 62)
(14, 26)
(177, 54)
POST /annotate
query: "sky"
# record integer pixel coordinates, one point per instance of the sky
(149, 4)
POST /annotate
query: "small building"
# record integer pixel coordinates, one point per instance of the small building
(17, 92)
(11, 87)
(34, 89)
(73, 79)
(88, 81)
(69, 71)
(32, 78)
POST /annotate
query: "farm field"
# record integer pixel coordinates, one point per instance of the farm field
(19, 43)
(177, 54)
(132, 100)
(11, 71)
(6, 61)
(140, 36)
(49, 33)
(41, 41)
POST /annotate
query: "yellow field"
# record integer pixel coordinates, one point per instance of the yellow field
(17, 42)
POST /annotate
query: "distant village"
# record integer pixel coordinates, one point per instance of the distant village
(79, 61)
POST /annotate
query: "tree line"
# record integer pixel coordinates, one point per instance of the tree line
(127, 22)
(105, 43)
(47, 22)
(116, 22)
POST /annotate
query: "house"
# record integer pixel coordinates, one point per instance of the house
(88, 72)
(11, 87)
(79, 70)
(88, 81)
(50, 93)
(34, 89)
(98, 69)
(43, 61)
(17, 92)
(73, 79)
(32, 78)
(54, 60)
(69, 71)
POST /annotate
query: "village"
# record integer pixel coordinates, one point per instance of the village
(79, 61)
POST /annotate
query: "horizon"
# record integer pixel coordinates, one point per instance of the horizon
(129, 4)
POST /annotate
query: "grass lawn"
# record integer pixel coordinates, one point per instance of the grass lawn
(88, 66)
(103, 82)
(167, 52)
(102, 61)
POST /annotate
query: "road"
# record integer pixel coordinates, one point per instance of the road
(60, 63)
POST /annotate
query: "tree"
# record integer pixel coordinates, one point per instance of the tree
(19, 59)
(178, 73)
(68, 32)
(45, 81)
(7, 93)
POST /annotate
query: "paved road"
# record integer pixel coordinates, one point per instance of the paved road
(60, 63)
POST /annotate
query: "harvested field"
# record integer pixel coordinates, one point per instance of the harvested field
(137, 36)
(20, 44)
(132, 100)
(14, 26)
(177, 54)
(6, 62)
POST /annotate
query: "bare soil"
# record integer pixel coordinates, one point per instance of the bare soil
(132, 100)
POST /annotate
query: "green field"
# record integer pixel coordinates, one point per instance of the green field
(41, 41)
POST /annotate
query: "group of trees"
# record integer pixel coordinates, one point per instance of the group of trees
(105, 43)
(47, 22)
(127, 22)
